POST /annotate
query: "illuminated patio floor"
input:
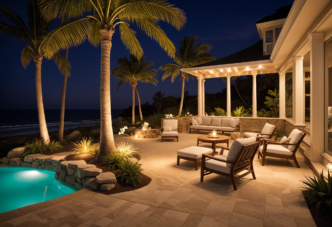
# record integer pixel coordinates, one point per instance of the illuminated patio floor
(176, 197)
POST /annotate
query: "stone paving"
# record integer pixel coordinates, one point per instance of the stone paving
(176, 197)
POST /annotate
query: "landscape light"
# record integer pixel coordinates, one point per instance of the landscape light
(329, 167)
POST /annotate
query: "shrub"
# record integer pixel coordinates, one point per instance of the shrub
(39, 147)
(263, 113)
(239, 111)
(114, 160)
(154, 120)
(84, 146)
(130, 172)
(220, 112)
(126, 149)
(95, 151)
(120, 123)
(171, 110)
(319, 191)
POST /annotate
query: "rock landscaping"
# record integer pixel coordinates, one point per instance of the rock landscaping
(77, 173)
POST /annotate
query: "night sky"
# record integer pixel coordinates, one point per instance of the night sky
(228, 26)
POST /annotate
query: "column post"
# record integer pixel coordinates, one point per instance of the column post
(282, 95)
(203, 97)
(228, 96)
(317, 96)
(199, 96)
(254, 94)
(298, 91)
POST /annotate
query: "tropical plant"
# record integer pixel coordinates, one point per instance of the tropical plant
(42, 42)
(189, 54)
(239, 111)
(103, 17)
(263, 113)
(157, 100)
(134, 70)
(113, 160)
(126, 149)
(83, 146)
(39, 146)
(219, 111)
(130, 172)
(120, 122)
(273, 102)
(319, 191)
(95, 151)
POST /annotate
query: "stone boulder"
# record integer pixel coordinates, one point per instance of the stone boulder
(16, 152)
(26, 164)
(73, 164)
(63, 174)
(4, 160)
(91, 172)
(35, 164)
(15, 161)
(80, 168)
(106, 187)
(57, 175)
(92, 184)
(78, 185)
(71, 180)
(74, 134)
(71, 171)
(106, 178)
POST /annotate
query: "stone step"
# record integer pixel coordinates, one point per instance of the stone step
(306, 140)
(307, 130)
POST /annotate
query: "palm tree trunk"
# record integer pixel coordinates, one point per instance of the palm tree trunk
(106, 131)
(182, 95)
(240, 95)
(133, 107)
(40, 106)
(139, 105)
(63, 103)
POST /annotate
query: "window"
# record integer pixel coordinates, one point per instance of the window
(289, 95)
(269, 36)
(328, 70)
(277, 33)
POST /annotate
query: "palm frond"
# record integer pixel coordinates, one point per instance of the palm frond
(69, 34)
(156, 33)
(121, 82)
(12, 32)
(62, 63)
(26, 56)
(94, 35)
(128, 37)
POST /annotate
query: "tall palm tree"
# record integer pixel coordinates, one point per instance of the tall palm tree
(157, 99)
(104, 17)
(235, 79)
(134, 70)
(189, 54)
(42, 42)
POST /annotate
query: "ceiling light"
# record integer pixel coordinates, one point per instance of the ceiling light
(247, 68)
(260, 66)
(228, 70)
(211, 71)
(221, 70)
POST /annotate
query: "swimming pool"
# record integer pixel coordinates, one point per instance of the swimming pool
(23, 186)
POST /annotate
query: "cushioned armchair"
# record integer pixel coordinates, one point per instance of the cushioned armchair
(285, 150)
(170, 129)
(239, 158)
(267, 132)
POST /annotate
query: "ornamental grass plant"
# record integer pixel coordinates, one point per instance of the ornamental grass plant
(130, 172)
(83, 146)
(39, 146)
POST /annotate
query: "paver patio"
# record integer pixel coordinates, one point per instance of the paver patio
(176, 197)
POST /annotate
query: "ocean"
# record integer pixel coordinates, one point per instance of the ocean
(21, 122)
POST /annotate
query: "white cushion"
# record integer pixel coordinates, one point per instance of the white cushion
(194, 122)
(171, 122)
(226, 129)
(276, 149)
(237, 146)
(253, 134)
(172, 133)
(285, 139)
(167, 128)
(218, 165)
(295, 137)
(206, 120)
(234, 122)
(197, 127)
(268, 129)
(216, 121)
(226, 122)
(212, 127)
(199, 120)
(194, 152)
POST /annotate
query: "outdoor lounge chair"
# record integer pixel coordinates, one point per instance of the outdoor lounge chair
(239, 158)
(280, 149)
(267, 132)
(193, 153)
(170, 129)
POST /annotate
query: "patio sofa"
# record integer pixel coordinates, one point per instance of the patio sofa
(223, 124)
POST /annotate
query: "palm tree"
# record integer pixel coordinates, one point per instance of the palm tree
(235, 79)
(157, 99)
(134, 70)
(42, 42)
(189, 54)
(104, 17)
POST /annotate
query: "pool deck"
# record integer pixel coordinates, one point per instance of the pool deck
(176, 197)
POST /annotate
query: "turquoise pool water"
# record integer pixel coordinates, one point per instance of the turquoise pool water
(22, 186)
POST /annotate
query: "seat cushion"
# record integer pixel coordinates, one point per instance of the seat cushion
(199, 120)
(218, 165)
(276, 149)
(268, 129)
(167, 128)
(173, 133)
(197, 127)
(206, 121)
(194, 152)
(226, 129)
(253, 134)
(216, 121)
(171, 122)
(212, 127)
(237, 146)
(226, 122)
(295, 137)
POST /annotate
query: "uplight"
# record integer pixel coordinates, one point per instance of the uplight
(329, 167)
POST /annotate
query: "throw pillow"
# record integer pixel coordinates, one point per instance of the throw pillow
(207, 120)
(285, 140)
(234, 122)
(216, 121)
(237, 147)
(194, 122)
(199, 120)
(226, 122)
(167, 128)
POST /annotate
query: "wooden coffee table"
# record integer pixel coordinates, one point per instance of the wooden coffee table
(214, 141)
